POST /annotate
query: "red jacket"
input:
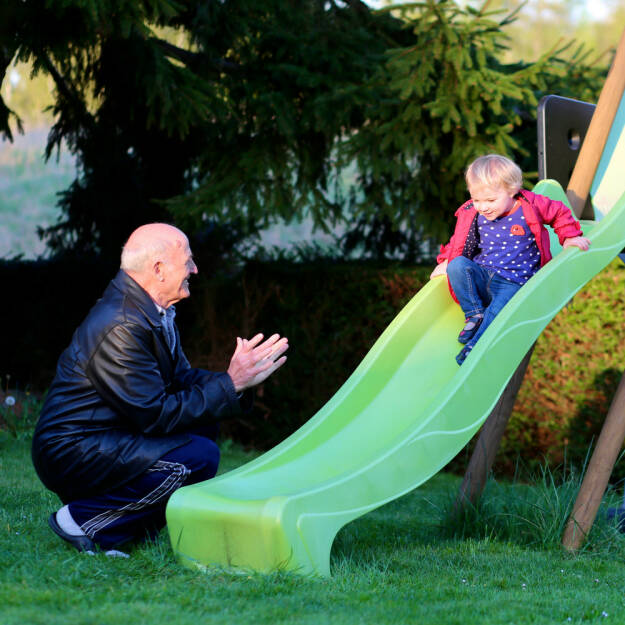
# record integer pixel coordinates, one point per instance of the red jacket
(537, 209)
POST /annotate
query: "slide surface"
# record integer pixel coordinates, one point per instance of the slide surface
(399, 418)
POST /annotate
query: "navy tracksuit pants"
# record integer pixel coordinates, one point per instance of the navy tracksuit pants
(136, 510)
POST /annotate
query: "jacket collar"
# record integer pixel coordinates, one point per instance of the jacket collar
(138, 295)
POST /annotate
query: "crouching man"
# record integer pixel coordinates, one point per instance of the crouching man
(127, 420)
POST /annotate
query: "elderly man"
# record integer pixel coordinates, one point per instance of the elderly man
(127, 420)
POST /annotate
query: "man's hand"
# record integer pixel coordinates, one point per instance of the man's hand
(439, 270)
(582, 242)
(253, 361)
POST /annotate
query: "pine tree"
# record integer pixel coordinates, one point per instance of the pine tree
(231, 107)
(246, 111)
(437, 104)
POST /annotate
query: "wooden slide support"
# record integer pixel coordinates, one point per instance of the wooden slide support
(598, 473)
(488, 442)
(577, 192)
(613, 431)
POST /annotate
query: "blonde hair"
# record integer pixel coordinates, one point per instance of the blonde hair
(494, 170)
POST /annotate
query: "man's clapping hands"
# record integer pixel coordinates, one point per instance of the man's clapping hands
(253, 361)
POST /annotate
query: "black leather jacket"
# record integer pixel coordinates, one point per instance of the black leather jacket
(120, 400)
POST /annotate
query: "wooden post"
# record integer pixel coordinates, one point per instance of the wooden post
(598, 131)
(598, 473)
(488, 442)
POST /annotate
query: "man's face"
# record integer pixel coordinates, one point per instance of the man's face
(492, 202)
(176, 271)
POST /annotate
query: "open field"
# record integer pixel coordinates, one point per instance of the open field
(28, 188)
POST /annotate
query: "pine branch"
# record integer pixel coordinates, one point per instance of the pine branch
(5, 112)
(193, 59)
(358, 6)
(65, 90)
(76, 103)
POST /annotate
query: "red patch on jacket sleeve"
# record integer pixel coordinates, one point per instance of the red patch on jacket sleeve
(517, 229)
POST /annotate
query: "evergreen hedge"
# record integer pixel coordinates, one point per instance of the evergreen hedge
(332, 313)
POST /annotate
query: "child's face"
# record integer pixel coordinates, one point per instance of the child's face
(492, 202)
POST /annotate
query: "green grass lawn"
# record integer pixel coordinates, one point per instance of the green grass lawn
(403, 563)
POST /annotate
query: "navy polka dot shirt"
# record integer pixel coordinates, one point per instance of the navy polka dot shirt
(508, 246)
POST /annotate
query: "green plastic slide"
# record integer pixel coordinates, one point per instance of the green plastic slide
(399, 418)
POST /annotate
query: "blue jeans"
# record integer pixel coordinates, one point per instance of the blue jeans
(479, 291)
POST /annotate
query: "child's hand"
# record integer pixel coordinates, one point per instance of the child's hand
(582, 242)
(439, 270)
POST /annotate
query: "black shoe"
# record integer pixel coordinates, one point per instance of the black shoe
(471, 324)
(82, 543)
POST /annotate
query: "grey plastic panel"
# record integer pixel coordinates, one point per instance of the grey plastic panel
(562, 124)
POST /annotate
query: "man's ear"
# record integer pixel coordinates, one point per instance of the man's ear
(157, 269)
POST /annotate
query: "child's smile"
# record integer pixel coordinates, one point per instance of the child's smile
(492, 202)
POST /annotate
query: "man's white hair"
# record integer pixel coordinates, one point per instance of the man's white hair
(138, 258)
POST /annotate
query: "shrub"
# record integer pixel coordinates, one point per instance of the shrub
(572, 377)
(333, 311)
(46, 300)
